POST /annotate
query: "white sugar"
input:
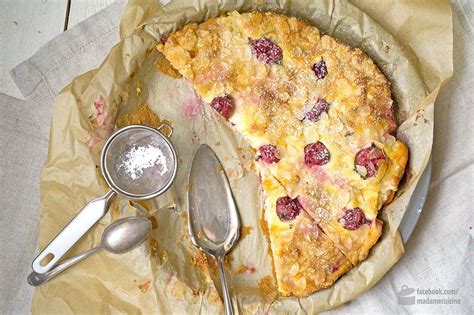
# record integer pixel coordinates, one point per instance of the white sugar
(140, 158)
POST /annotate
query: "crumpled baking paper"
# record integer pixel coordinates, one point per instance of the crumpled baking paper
(413, 47)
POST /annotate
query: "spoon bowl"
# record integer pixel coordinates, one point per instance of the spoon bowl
(125, 234)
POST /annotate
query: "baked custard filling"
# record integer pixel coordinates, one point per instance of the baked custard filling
(319, 115)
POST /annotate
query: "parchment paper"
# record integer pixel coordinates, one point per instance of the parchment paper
(167, 275)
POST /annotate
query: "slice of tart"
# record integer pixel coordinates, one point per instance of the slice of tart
(305, 259)
(341, 186)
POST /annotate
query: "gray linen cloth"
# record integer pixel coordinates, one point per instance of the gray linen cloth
(438, 255)
(24, 130)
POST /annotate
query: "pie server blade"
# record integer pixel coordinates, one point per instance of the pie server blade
(213, 222)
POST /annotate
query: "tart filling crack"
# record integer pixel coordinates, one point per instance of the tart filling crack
(305, 258)
(319, 115)
(350, 231)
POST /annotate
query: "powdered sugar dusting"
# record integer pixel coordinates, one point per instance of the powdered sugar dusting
(140, 158)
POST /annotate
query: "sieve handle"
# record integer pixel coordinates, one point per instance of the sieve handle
(167, 126)
(71, 233)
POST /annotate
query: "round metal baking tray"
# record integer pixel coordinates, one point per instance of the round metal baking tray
(417, 201)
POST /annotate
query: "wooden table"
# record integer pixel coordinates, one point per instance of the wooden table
(26, 25)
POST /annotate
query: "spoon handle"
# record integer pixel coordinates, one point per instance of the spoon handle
(225, 289)
(35, 279)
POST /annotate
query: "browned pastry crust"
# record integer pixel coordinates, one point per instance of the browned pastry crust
(319, 114)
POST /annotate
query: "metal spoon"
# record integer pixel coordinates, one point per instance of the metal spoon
(121, 236)
(213, 223)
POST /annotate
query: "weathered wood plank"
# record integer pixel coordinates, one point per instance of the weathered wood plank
(24, 27)
(82, 9)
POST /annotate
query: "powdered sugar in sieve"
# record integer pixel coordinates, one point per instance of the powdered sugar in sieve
(139, 161)
(140, 158)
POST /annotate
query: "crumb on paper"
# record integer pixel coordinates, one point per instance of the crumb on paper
(184, 236)
(267, 287)
(241, 153)
(218, 143)
(195, 296)
(219, 169)
(145, 286)
(163, 255)
(248, 269)
(184, 216)
(241, 269)
(139, 88)
(194, 136)
(177, 289)
(154, 249)
(154, 222)
(188, 187)
(249, 165)
(145, 204)
(214, 297)
(228, 259)
(420, 114)
(142, 115)
(202, 262)
(245, 230)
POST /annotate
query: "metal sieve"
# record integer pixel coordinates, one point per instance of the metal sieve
(138, 162)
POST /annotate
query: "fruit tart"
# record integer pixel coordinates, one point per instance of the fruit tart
(319, 115)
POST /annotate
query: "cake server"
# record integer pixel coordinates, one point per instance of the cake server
(213, 222)
(138, 162)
